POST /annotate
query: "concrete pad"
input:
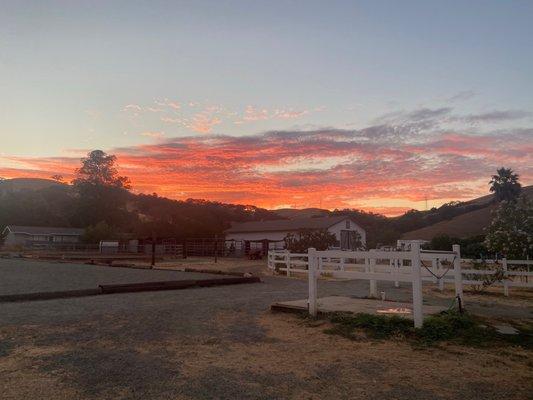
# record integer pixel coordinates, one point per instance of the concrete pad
(354, 305)
(506, 329)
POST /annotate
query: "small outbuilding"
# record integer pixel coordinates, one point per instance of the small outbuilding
(40, 236)
(265, 235)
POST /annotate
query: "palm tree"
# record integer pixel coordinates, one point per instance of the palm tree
(505, 184)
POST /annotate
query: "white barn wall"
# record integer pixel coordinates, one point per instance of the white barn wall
(341, 226)
(280, 235)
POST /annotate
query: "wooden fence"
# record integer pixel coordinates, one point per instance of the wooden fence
(436, 267)
(414, 266)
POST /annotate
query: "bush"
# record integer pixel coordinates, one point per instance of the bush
(511, 230)
(446, 326)
(98, 232)
(320, 239)
(376, 326)
(471, 247)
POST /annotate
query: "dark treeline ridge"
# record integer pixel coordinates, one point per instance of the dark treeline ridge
(101, 201)
(117, 212)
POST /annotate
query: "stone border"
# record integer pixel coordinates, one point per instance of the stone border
(127, 288)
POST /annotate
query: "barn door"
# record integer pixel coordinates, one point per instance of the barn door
(348, 240)
(345, 240)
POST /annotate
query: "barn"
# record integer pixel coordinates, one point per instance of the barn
(265, 235)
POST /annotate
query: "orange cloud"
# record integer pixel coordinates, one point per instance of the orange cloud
(380, 168)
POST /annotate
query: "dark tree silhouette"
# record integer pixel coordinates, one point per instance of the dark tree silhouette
(57, 178)
(98, 168)
(102, 192)
(505, 185)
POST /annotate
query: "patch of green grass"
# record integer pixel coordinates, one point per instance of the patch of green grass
(375, 326)
(448, 326)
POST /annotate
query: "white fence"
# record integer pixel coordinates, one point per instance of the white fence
(413, 266)
(436, 267)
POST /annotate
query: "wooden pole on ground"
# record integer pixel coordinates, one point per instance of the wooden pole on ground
(216, 248)
(311, 262)
(153, 250)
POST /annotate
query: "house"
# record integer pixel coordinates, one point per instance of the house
(265, 235)
(38, 236)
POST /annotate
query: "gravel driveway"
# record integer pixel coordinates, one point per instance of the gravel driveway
(204, 343)
(27, 276)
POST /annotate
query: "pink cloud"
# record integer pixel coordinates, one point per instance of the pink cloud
(333, 168)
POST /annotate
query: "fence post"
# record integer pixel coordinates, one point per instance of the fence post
(505, 280)
(373, 282)
(288, 262)
(435, 268)
(457, 273)
(416, 276)
(441, 280)
(216, 248)
(312, 266)
(397, 263)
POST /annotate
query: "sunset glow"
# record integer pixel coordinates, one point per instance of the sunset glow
(387, 168)
(281, 108)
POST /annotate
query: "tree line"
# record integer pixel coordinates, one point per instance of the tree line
(101, 201)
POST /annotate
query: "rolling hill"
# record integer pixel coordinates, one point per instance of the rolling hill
(470, 223)
(293, 213)
(27, 184)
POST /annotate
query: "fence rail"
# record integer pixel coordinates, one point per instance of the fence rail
(437, 267)
(400, 266)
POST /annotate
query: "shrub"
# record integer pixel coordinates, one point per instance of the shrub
(511, 230)
(376, 326)
(447, 326)
(320, 239)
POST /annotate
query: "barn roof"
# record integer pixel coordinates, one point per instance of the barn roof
(45, 230)
(287, 224)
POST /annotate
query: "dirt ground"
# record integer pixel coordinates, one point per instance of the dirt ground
(293, 360)
(223, 343)
(232, 265)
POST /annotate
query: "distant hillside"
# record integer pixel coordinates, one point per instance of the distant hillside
(469, 224)
(43, 202)
(27, 184)
(292, 213)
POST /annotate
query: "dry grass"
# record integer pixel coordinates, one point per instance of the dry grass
(293, 347)
(294, 359)
(257, 267)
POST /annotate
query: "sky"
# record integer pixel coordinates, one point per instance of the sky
(379, 105)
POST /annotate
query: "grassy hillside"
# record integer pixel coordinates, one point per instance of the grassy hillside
(27, 184)
(41, 202)
(465, 225)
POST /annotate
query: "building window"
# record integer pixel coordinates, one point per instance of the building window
(347, 224)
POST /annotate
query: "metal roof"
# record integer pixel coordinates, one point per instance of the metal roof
(45, 230)
(287, 224)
